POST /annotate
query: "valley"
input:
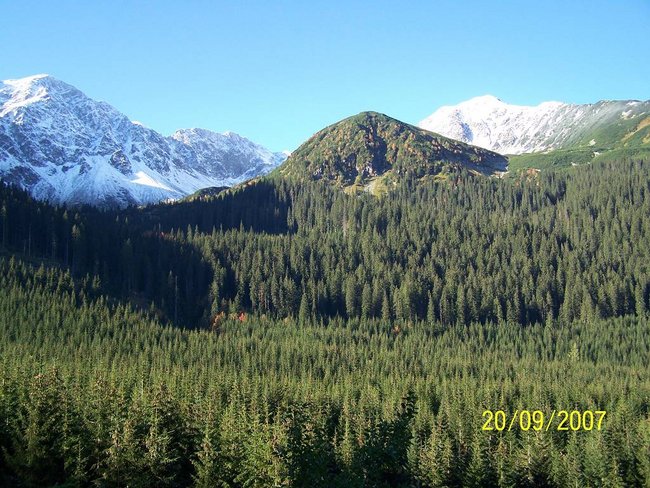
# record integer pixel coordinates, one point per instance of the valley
(196, 310)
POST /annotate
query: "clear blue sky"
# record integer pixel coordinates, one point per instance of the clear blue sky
(278, 71)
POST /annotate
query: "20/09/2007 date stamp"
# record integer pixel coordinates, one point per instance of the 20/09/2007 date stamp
(562, 420)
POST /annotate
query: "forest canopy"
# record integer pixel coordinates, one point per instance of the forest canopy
(289, 334)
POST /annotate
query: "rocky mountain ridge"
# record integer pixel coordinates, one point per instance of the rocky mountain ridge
(64, 147)
(490, 123)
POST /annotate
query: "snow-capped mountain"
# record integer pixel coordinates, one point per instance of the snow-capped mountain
(228, 154)
(65, 147)
(514, 129)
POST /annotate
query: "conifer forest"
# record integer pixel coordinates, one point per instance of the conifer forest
(285, 333)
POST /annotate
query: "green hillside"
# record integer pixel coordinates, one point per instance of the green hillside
(372, 151)
(611, 138)
(205, 193)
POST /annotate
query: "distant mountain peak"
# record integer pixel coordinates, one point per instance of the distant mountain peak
(43, 83)
(493, 124)
(20, 93)
(484, 100)
(63, 146)
(27, 81)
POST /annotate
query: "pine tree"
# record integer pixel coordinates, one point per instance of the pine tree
(303, 313)
(386, 314)
(480, 471)
(38, 455)
(206, 464)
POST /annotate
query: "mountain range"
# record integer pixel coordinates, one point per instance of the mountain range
(62, 146)
(493, 124)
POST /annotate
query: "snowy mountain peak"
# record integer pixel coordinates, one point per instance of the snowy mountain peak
(514, 129)
(22, 84)
(65, 147)
(484, 100)
(43, 84)
(19, 93)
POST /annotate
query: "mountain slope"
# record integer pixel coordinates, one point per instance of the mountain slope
(512, 129)
(358, 150)
(65, 147)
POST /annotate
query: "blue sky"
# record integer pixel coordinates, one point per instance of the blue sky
(278, 71)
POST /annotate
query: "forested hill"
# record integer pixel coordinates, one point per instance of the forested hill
(373, 151)
(345, 340)
(558, 246)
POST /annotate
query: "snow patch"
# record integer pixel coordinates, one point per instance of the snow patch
(146, 180)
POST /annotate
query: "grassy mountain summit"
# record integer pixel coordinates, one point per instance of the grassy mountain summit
(371, 148)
